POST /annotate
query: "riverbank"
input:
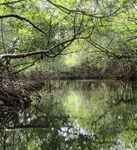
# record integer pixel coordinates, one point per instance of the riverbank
(78, 76)
(15, 94)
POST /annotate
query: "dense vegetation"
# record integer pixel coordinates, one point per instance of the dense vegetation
(87, 39)
(72, 39)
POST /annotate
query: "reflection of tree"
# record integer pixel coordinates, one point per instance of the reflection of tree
(51, 125)
(110, 123)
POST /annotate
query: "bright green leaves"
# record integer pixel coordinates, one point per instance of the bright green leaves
(68, 3)
(107, 28)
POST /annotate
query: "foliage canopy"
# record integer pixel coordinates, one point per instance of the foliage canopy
(95, 29)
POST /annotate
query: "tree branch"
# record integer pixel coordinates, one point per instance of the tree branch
(22, 19)
(10, 3)
(34, 53)
(68, 11)
(2, 37)
(110, 53)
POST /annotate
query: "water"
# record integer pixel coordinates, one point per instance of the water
(76, 115)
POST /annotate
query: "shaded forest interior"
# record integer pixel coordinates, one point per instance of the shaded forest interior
(42, 39)
(45, 40)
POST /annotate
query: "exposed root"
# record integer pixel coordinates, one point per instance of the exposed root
(16, 94)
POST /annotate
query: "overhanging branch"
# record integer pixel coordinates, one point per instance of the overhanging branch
(110, 53)
(10, 3)
(40, 52)
(22, 19)
(68, 11)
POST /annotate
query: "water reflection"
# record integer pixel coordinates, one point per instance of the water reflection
(85, 115)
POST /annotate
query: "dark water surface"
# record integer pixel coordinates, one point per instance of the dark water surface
(76, 115)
